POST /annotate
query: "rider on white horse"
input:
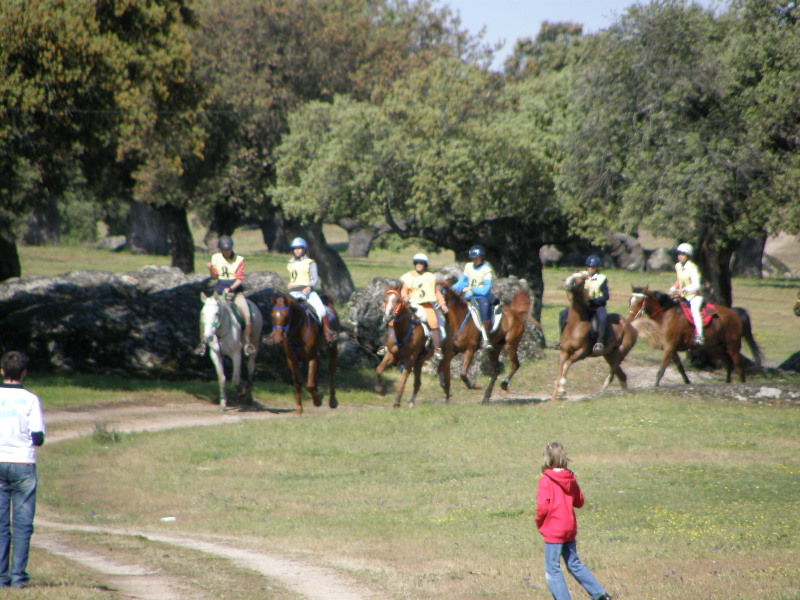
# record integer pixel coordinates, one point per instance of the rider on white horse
(689, 286)
(476, 283)
(303, 278)
(227, 267)
(419, 288)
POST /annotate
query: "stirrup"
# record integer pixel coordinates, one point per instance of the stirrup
(698, 339)
(382, 350)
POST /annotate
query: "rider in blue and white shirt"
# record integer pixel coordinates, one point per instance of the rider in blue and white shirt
(476, 283)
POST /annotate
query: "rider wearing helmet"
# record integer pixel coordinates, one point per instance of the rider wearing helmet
(596, 286)
(688, 286)
(476, 283)
(227, 268)
(303, 278)
(419, 287)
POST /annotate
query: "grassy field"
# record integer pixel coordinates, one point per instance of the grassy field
(689, 494)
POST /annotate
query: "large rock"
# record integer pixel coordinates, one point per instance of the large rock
(661, 259)
(626, 251)
(746, 261)
(772, 267)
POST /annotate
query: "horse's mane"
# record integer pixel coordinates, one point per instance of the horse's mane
(664, 300)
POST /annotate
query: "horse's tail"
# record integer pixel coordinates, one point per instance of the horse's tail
(649, 330)
(747, 334)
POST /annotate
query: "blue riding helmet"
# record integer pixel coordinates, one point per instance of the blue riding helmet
(477, 252)
(225, 242)
(593, 261)
(299, 242)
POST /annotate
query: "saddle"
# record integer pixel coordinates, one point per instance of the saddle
(708, 312)
(310, 309)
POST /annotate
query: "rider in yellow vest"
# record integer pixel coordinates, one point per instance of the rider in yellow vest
(688, 286)
(227, 268)
(303, 278)
(419, 287)
(596, 287)
(476, 283)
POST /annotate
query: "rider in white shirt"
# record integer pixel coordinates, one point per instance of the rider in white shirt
(689, 286)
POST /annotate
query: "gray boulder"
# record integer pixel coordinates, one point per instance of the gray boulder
(626, 251)
(661, 259)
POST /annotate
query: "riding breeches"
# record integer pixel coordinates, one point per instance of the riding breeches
(240, 302)
(314, 300)
(425, 312)
(696, 304)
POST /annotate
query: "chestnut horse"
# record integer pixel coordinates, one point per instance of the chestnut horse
(303, 338)
(723, 336)
(405, 343)
(577, 342)
(463, 336)
(797, 305)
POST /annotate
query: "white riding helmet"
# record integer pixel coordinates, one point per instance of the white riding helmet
(686, 249)
(420, 258)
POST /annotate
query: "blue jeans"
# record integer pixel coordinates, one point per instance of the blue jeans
(555, 578)
(17, 507)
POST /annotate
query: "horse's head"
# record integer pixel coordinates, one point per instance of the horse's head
(281, 318)
(210, 316)
(575, 286)
(639, 296)
(392, 302)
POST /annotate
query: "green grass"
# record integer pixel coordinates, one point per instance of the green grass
(438, 502)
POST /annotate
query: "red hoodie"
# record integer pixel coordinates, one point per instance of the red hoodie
(558, 494)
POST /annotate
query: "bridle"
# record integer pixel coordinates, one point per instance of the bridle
(642, 311)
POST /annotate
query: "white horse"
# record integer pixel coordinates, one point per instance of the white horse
(222, 333)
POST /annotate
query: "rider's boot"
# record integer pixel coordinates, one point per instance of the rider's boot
(436, 338)
(330, 335)
(200, 349)
(249, 349)
(486, 345)
(698, 339)
(600, 346)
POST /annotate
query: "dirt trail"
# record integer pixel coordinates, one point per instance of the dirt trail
(305, 579)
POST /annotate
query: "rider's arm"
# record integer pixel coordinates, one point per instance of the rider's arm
(440, 298)
(485, 287)
(601, 300)
(313, 275)
(404, 294)
(461, 283)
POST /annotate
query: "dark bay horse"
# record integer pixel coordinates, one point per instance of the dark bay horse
(303, 339)
(577, 342)
(463, 336)
(723, 336)
(405, 343)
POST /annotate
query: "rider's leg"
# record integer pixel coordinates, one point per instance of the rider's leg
(562, 320)
(602, 328)
(244, 311)
(478, 312)
(436, 335)
(322, 312)
(696, 304)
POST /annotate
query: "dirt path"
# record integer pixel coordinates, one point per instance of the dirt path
(305, 579)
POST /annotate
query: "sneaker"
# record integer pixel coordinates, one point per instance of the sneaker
(698, 340)
(486, 345)
(437, 354)
(249, 349)
(200, 350)
(382, 350)
(599, 348)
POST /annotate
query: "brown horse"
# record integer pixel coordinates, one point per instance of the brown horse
(303, 338)
(723, 336)
(577, 342)
(405, 345)
(463, 336)
(797, 305)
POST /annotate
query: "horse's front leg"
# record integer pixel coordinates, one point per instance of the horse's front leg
(388, 359)
(294, 367)
(216, 359)
(311, 382)
(675, 357)
(614, 360)
(444, 374)
(251, 371)
(401, 384)
(236, 359)
(560, 387)
(469, 353)
(513, 359)
(418, 362)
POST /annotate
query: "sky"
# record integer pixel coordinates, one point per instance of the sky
(513, 19)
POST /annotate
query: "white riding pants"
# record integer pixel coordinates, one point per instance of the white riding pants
(314, 300)
(696, 304)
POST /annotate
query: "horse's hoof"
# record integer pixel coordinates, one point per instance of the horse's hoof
(410, 405)
(317, 400)
(333, 403)
(476, 386)
(396, 405)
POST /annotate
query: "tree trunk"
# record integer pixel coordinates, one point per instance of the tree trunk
(148, 231)
(180, 237)
(224, 221)
(715, 267)
(274, 230)
(333, 273)
(9, 258)
(44, 224)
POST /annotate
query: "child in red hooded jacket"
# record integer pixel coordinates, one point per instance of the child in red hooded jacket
(557, 496)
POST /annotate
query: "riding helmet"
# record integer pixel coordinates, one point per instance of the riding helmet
(593, 260)
(420, 258)
(225, 242)
(686, 249)
(477, 252)
(299, 242)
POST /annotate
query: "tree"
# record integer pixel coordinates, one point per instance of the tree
(450, 156)
(100, 88)
(665, 139)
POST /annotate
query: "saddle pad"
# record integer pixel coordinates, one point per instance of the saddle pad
(709, 311)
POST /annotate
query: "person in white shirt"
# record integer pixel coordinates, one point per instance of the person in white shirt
(688, 286)
(21, 430)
